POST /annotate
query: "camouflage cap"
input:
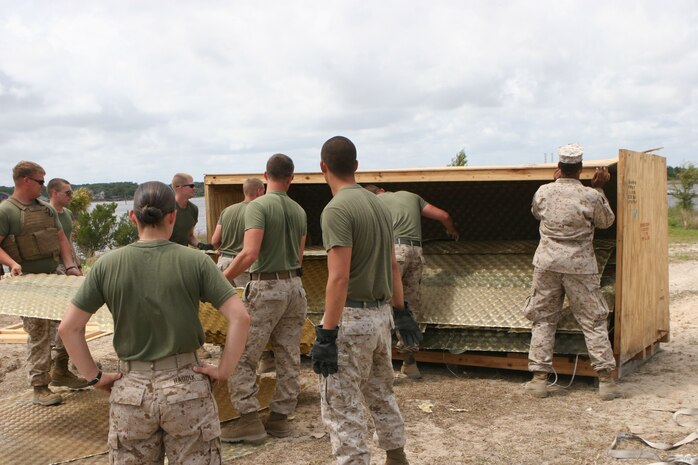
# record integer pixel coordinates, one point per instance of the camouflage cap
(570, 153)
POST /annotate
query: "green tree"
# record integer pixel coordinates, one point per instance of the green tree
(95, 229)
(125, 232)
(683, 191)
(82, 198)
(461, 159)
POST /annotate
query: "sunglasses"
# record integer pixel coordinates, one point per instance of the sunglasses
(187, 185)
(40, 181)
(68, 193)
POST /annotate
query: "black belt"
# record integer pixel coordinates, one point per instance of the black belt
(276, 275)
(402, 240)
(351, 303)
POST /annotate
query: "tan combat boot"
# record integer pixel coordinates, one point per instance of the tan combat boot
(44, 396)
(537, 387)
(61, 374)
(608, 389)
(277, 425)
(409, 367)
(266, 364)
(396, 457)
(247, 428)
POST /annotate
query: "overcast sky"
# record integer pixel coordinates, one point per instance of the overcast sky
(134, 91)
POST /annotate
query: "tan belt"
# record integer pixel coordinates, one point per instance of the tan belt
(166, 363)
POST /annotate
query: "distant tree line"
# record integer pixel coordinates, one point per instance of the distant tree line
(112, 191)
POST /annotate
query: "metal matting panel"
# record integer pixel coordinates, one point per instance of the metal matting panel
(45, 296)
(76, 428)
(459, 340)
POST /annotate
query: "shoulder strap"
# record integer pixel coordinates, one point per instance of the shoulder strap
(17, 203)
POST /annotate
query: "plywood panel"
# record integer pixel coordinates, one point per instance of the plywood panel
(217, 198)
(540, 172)
(643, 273)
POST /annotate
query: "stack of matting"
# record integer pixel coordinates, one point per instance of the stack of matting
(473, 295)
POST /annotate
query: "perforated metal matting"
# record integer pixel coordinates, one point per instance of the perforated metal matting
(45, 296)
(33, 434)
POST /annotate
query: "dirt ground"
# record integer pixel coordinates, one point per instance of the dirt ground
(461, 415)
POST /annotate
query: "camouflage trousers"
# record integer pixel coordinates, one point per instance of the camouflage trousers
(589, 307)
(364, 379)
(42, 336)
(239, 281)
(155, 413)
(277, 311)
(411, 261)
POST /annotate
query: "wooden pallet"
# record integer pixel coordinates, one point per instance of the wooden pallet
(14, 334)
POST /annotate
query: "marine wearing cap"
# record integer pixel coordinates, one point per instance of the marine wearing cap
(570, 153)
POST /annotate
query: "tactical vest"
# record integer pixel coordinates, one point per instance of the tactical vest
(39, 236)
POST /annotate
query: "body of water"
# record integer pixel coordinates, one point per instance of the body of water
(123, 206)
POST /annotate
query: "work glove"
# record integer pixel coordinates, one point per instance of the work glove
(407, 328)
(204, 246)
(324, 353)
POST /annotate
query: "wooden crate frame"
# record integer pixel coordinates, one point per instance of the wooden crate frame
(637, 193)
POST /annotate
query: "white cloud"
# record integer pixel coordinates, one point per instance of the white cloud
(110, 91)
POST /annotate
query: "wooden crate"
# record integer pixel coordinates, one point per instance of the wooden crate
(493, 203)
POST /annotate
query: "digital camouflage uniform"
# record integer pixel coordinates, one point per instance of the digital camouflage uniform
(406, 213)
(364, 380)
(42, 333)
(232, 221)
(277, 307)
(565, 264)
(153, 291)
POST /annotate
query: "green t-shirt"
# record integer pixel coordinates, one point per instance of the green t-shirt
(185, 221)
(10, 223)
(153, 291)
(406, 210)
(356, 218)
(232, 223)
(284, 223)
(66, 219)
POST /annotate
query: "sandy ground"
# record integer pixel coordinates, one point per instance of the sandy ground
(483, 416)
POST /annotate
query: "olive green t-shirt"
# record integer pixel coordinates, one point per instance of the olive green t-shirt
(185, 221)
(153, 291)
(11, 223)
(232, 223)
(356, 218)
(66, 218)
(406, 210)
(284, 223)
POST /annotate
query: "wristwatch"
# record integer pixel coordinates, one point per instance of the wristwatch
(94, 381)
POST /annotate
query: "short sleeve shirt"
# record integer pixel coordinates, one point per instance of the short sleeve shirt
(356, 218)
(66, 219)
(185, 221)
(568, 213)
(284, 223)
(11, 223)
(406, 211)
(153, 291)
(232, 223)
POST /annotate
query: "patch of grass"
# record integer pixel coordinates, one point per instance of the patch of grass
(678, 235)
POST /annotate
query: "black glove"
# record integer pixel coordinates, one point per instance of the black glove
(204, 246)
(407, 328)
(324, 353)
